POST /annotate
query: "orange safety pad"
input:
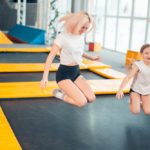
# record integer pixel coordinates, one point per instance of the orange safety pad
(97, 47)
(32, 89)
(109, 73)
(8, 140)
(132, 56)
(4, 39)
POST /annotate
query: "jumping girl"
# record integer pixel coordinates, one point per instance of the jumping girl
(74, 89)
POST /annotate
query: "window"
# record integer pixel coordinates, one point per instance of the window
(140, 8)
(148, 36)
(118, 26)
(110, 33)
(149, 9)
(99, 31)
(138, 35)
(112, 7)
(123, 35)
(92, 5)
(96, 8)
(64, 5)
(99, 19)
(125, 8)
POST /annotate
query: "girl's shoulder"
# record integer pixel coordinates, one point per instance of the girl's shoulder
(71, 35)
(59, 40)
(63, 35)
(139, 64)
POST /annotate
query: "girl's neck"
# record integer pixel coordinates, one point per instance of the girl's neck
(146, 63)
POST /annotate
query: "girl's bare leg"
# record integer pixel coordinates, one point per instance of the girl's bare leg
(85, 88)
(146, 104)
(74, 95)
(135, 100)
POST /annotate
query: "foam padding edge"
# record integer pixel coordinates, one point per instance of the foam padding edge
(8, 141)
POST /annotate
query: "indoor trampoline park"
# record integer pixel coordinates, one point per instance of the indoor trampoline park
(74, 74)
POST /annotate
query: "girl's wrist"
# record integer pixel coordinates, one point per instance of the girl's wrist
(45, 78)
(91, 58)
(120, 91)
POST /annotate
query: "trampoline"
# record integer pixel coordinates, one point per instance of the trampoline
(48, 123)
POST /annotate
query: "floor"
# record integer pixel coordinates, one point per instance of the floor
(51, 124)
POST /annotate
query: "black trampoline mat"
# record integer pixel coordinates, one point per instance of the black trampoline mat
(51, 124)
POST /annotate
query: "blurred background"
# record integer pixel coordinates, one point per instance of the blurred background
(120, 24)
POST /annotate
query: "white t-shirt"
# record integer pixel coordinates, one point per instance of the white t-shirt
(141, 82)
(71, 46)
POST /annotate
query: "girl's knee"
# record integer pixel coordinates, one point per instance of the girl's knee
(134, 110)
(91, 98)
(81, 103)
(146, 111)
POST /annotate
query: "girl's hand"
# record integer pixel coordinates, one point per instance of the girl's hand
(119, 94)
(96, 58)
(43, 83)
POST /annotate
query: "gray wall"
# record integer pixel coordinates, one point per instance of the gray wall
(7, 16)
(31, 14)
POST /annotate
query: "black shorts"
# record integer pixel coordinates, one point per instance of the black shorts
(67, 72)
(131, 90)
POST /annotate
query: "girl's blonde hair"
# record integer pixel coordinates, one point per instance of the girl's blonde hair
(74, 22)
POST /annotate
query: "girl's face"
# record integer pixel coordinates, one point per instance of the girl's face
(84, 28)
(146, 55)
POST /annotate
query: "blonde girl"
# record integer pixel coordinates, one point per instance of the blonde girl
(140, 88)
(74, 89)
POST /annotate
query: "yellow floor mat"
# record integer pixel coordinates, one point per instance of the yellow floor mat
(8, 140)
(25, 49)
(25, 67)
(4, 39)
(108, 86)
(32, 89)
(34, 67)
(95, 64)
(25, 89)
(109, 73)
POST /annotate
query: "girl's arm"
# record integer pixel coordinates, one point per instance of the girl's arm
(94, 58)
(133, 71)
(48, 63)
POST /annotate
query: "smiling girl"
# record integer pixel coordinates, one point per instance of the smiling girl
(140, 88)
